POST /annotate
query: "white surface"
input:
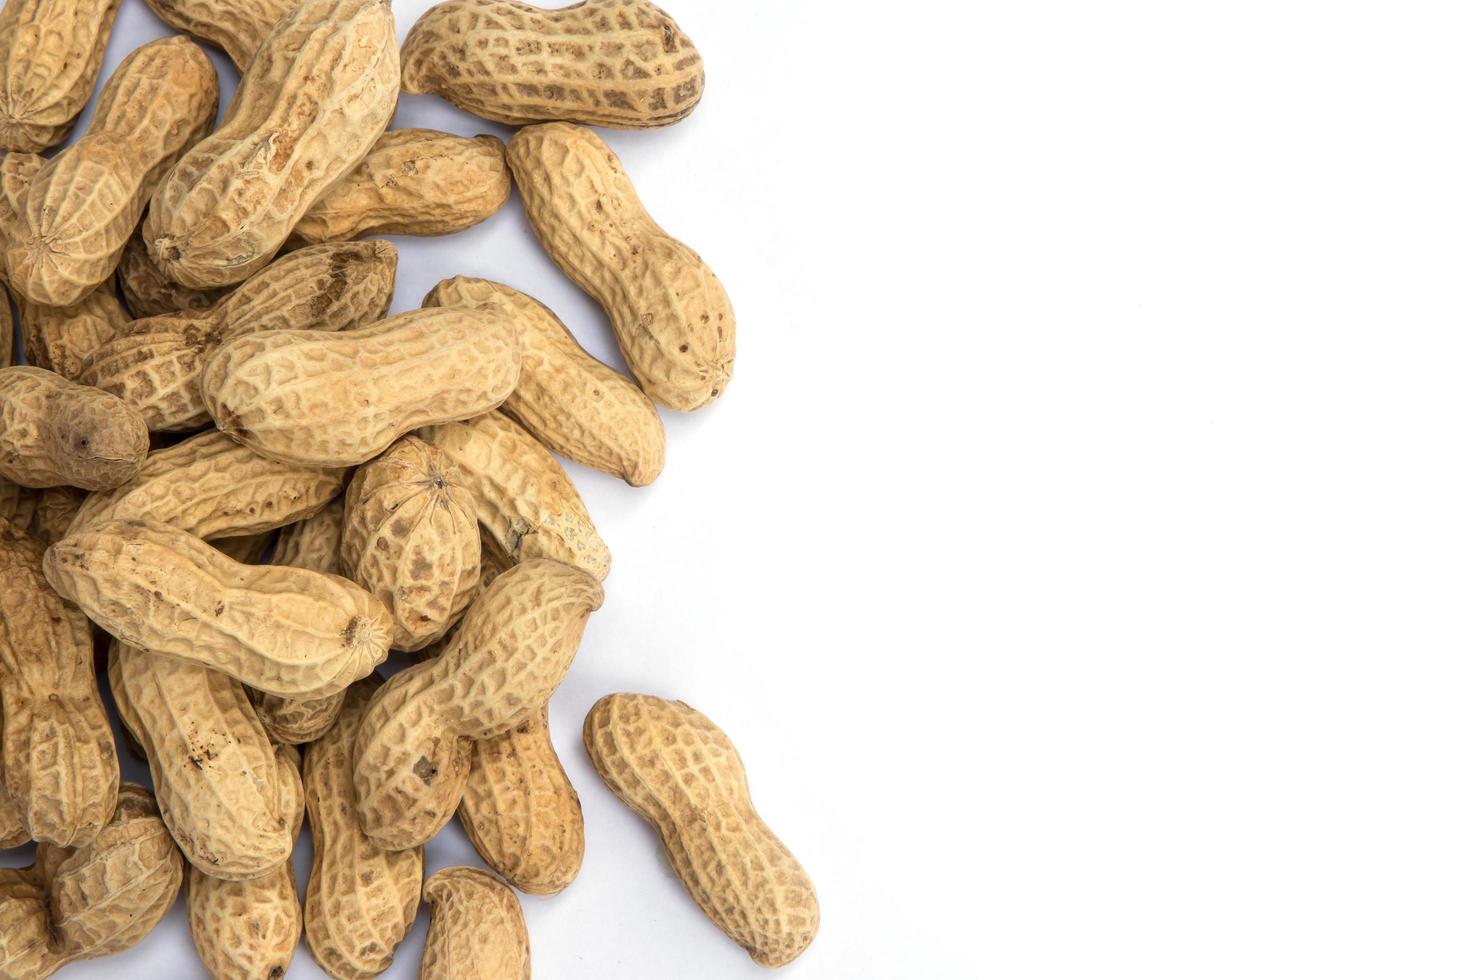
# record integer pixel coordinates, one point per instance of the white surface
(1079, 556)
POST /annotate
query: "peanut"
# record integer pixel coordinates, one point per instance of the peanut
(507, 657)
(576, 405)
(85, 202)
(148, 292)
(249, 928)
(672, 318)
(60, 762)
(679, 772)
(522, 496)
(226, 797)
(341, 399)
(211, 486)
(313, 544)
(413, 182)
(61, 338)
(281, 630)
(25, 927)
(154, 364)
(54, 432)
(520, 811)
(56, 508)
(409, 537)
(361, 899)
(17, 170)
(235, 28)
(476, 929)
(319, 91)
(619, 63)
(50, 54)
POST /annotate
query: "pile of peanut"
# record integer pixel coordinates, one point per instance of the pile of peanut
(227, 469)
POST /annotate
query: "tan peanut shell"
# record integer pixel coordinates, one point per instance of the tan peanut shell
(679, 772)
(412, 182)
(236, 27)
(409, 536)
(18, 504)
(618, 63)
(520, 811)
(281, 630)
(225, 796)
(673, 321)
(17, 170)
(60, 762)
(154, 364)
(55, 432)
(569, 400)
(148, 292)
(313, 544)
(85, 202)
(476, 929)
(25, 926)
(211, 486)
(13, 831)
(361, 899)
(507, 657)
(319, 91)
(248, 928)
(50, 54)
(61, 338)
(522, 496)
(341, 399)
(56, 508)
(109, 893)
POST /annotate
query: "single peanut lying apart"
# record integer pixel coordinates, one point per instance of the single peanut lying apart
(50, 55)
(476, 929)
(284, 631)
(572, 402)
(507, 657)
(681, 774)
(361, 899)
(619, 63)
(54, 432)
(672, 318)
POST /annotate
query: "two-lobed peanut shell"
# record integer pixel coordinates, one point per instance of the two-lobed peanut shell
(54, 432)
(50, 55)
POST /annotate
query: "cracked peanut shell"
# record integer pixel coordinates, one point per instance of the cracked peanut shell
(50, 55)
(54, 432)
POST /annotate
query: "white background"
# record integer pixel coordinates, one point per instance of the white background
(1079, 556)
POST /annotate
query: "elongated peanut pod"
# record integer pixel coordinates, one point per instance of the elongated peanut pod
(235, 28)
(54, 432)
(568, 399)
(285, 631)
(85, 202)
(679, 772)
(50, 54)
(618, 63)
(507, 657)
(672, 318)
(476, 929)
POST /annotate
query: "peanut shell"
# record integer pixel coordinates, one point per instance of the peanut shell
(54, 432)
(235, 27)
(50, 54)
(476, 930)
(148, 292)
(25, 927)
(61, 338)
(56, 508)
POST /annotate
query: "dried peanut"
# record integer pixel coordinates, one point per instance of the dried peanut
(285, 631)
(507, 657)
(522, 496)
(235, 28)
(409, 537)
(54, 432)
(360, 899)
(618, 63)
(13, 831)
(211, 486)
(25, 927)
(249, 928)
(86, 201)
(341, 399)
(672, 318)
(319, 91)
(679, 772)
(148, 292)
(413, 182)
(60, 762)
(227, 799)
(154, 363)
(56, 508)
(17, 170)
(520, 811)
(50, 54)
(476, 929)
(314, 544)
(61, 338)
(572, 402)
